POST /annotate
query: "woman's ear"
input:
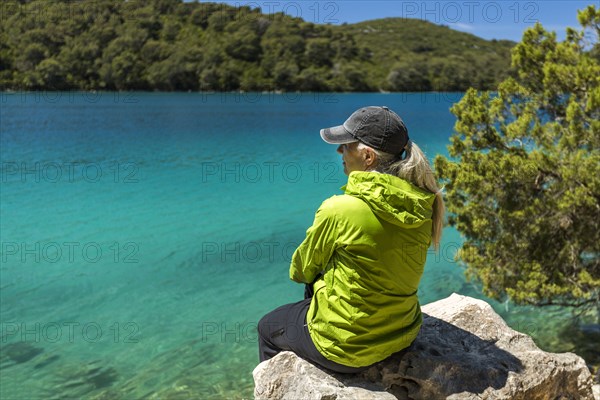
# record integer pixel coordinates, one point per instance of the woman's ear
(369, 157)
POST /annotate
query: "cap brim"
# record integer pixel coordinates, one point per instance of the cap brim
(337, 135)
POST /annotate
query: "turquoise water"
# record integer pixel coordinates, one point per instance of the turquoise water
(144, 235)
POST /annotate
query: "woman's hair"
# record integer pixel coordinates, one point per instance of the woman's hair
(415, 168)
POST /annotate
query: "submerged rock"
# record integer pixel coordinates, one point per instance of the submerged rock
(464, 351)
(18, 353)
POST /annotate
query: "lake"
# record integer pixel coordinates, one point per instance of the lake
(145, 234)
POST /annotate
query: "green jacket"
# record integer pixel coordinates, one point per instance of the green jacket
(370, 244)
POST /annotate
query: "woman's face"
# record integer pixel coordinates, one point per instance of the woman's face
(353, 159)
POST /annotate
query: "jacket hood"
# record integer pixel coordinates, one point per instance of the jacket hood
(392, 199)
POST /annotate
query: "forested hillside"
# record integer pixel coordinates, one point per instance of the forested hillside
(170, 45)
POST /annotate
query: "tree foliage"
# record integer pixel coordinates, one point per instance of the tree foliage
(523, 183)
(173, 45)
(414, 55)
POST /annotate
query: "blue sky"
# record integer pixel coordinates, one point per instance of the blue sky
(487, 19)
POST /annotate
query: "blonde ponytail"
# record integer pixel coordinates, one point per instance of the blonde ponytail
(415, 168)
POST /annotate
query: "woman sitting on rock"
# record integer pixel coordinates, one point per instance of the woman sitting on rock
(363, 257)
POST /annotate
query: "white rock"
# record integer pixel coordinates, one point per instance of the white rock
(464, 351)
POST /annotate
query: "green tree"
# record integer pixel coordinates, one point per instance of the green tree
(32, 55)
(6, 61)
(209, 79)
(244, 42)
(178, 72)
(122, 67)
(284, 75)
(253, 79)
(78, 57)
(52, 74)
(281, 42)
(319, 52)
(409, 76)
(523, 184)
(452, 74)
(219, 19)
(350, 77)
(313, 79)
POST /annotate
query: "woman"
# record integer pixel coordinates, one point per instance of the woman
(363, 257)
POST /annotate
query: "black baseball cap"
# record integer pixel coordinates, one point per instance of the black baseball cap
(376, 126)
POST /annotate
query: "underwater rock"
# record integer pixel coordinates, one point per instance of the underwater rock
(464, 351)
(79, 381)
(46, 361)
(18, 353)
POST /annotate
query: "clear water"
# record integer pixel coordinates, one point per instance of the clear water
(144, 235)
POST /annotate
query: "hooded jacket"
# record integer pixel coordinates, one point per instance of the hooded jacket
(370, 246)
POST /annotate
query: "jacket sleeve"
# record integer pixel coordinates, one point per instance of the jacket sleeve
(313, 254)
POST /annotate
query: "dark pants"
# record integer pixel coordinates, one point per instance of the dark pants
(285, 328)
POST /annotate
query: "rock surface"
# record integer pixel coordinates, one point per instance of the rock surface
(464, 351)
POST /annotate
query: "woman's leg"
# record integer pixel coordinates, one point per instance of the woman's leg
(285, 329)
(280, 329)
